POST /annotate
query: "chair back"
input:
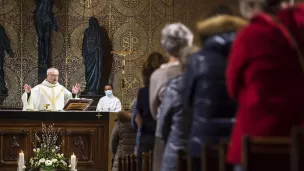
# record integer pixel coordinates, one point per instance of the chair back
(210, 158)
(133, 163)
(120, 165)
(182, 161)
(147, 161)
(223, 148)
(266, 153)
(297, 149)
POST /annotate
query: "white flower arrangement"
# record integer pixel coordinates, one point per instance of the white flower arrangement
(47, 157)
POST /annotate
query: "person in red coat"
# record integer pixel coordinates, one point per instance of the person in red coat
(264, 75)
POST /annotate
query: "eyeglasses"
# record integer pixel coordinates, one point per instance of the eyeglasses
(52, 75)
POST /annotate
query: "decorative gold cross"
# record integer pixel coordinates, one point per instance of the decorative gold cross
(98, 115)
(46, 106)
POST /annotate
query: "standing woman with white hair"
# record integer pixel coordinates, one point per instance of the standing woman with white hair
(175, 37)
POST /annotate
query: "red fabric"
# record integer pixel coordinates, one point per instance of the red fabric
(266, 78)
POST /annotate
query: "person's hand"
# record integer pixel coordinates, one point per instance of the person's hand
(27, 88)
(76, 88)
(138, 120)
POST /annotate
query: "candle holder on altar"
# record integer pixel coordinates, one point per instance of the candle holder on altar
(122, 54)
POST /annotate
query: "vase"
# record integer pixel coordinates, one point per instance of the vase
(41, 169)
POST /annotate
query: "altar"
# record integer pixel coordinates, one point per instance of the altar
(86, 134)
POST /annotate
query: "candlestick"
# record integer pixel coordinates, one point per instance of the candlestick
(73, 162)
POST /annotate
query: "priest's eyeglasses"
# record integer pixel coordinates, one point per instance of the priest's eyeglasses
(53, 75)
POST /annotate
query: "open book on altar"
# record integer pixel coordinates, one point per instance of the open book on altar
(78, 104)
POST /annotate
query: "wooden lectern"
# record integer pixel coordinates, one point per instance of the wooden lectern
(78, 105)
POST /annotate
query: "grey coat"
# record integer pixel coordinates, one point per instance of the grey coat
(175, 124)
(123, 138)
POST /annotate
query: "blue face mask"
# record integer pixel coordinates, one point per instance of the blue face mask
(109, 93)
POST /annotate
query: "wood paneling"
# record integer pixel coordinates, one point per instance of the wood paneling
(87, 138)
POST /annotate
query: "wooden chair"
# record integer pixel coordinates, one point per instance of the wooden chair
(223, 148)
(266, 153)
(210, 158)
(182, 161)
(128, 163)
(133, 163)
(150, 160)
(297, 149)
(112, 162)
(120, 167)
(146, 165)
(124, 164)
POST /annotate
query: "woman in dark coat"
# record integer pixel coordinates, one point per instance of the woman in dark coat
(146, 123)
(205, 88)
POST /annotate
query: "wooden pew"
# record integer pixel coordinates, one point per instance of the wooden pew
(297, 150)
(127, 163)
(150, 160)
(133, 163)
(223, 148)
(210, 158)
(120, 168)
(147, 160)
(182, 164)
(213, 158)
(266, 153)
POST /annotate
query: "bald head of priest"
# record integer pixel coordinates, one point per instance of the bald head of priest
(108, 103)
(49, 95)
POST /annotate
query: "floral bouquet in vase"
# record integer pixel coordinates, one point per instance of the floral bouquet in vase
(48, 157)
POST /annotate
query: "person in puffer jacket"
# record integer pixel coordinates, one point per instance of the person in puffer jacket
(123, 138)
(205, 85)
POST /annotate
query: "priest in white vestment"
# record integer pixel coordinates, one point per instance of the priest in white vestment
(49, 94)
(109, 103)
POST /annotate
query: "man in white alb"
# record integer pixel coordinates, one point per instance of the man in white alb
(49, 94)
(109, 103)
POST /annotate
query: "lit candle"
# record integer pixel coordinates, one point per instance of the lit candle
(73, 162)
(21, 160)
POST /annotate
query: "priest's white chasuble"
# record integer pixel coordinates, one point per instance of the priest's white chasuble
(55, 96)
(108, 104)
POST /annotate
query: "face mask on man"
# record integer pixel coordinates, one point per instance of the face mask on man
(108, 93)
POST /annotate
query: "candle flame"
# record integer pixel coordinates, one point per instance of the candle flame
(73, 154)
(21, 151)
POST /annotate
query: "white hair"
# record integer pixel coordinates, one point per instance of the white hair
(51, 70)
(175, 37)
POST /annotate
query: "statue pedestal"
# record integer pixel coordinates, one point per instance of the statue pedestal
(93, 96)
